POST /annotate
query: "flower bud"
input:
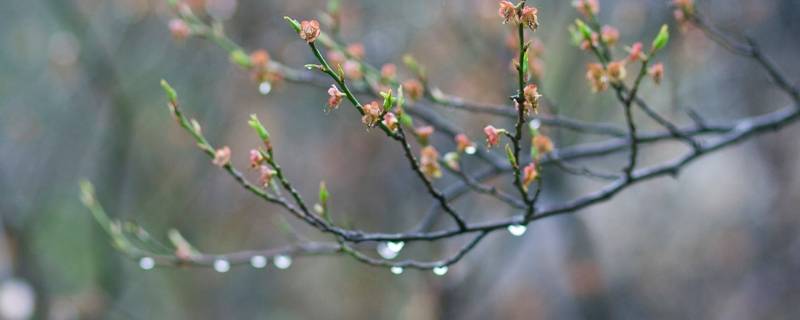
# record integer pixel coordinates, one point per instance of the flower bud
(609, 35)
(356, 50)
(635, 52)
(372, 113)
(508, 11)
(451, 160)
(334, 97)
(424, 134)
(542, 145)
(656, 72)
(388, 71)
(414, 89)
(390, 121)
(587, 7)
(352, 70)
(309, 30)
(531, 96)
(529, 174)
(259, 59)
(463, 143)
(429, 162)
(179, 29)
(222, 156)
(266, 175)
(256, 158)
(492, 136)
(529, 17)
(597, 77)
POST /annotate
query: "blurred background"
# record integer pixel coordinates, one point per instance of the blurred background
(79, 98)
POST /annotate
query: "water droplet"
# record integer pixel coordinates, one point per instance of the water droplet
(258, 262)
(470, 149)
(17, 299)
(517, 229)
(395, 246)
(385, 251)
(440, 271)
(536, 124)
(397, 270)
(221, 265)
(283, 262)
(264, 87)
(147, 263)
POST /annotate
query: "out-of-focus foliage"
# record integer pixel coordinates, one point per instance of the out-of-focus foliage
(80, 97)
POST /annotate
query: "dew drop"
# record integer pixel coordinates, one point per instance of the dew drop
(395, 246)
(397, 270)
(264, 88)
(440, 271)
(517, 229)
(222, 265)
(147, 263)
(385, 251)
(258, 262)
(535, 124)
(282, 261)
(470, 149)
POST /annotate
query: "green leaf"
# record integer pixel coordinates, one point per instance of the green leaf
(388, 100)
(510, 155)
(171, 94)
(406, 120)
(585, 31)
(524, 65)
(661, 39)
(240, 58)
(294, 23)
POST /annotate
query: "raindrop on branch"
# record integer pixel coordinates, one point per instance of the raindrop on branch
(222, 265)
(258, 262)
(147, 263)
(282, 262)
(517, 229)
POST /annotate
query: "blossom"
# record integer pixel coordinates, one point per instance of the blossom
(451, 160)
(597, 77)
(334, 97)
(390, 121)
(609, 35)
(388, 71)
(463, 142)
(356, 50)
(656, 72)
(429, 162)
(222, 156)
(492, 136)
(587, 7)
(309, 30)
(266, 175)
(372, 113)
(635, 52)
(592, 42)
(179, 29)
(531, 98)
(529, 174)
(259, 58)
(616, 71)
(542, 144)
(529, 17)
(424, 134)
(508, 12)
(413, 88)
(256, 158)
(352, 69)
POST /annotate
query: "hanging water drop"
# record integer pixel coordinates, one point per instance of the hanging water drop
(147, 263)
(386, 251)
(440, 271)
(470, 149)
(282, 261)
(222, 265)
(264, 88)
(535, 124)
(517, 229)
(397, 270)
(258, 262)
(395, 246)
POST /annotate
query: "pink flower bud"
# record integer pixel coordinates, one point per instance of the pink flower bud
(531, 98)
(334, 97)
(610, 35)
(656, 72)
(529, 17)
(266, 175)
(259, 58)
(424, 134)
(179, 29)
(508, 12)
(388, 71)
(309, 30)
(635, 53)
(256, 159)
(542, 144)
(352, 69)
(463, 142)
(222, 156)
(597, 77)
(372, 113)
(414, 89)
(587, 7)
(492, 136)
(390, 121)
(356, 50)
(529, 174)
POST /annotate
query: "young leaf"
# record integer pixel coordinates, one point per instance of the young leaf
(661, 39)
